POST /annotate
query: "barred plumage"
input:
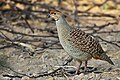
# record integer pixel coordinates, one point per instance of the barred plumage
(86, 43)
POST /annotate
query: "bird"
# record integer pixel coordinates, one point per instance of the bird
(78, 44)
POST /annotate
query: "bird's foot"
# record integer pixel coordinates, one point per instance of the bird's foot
(77, 72)
(88, 69)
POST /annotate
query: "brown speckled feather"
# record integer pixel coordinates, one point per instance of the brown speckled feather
(86, 43)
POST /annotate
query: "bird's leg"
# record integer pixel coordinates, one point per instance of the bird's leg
(85, 67)
(78, 67)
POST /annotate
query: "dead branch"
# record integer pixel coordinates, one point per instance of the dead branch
(30, 35)
(108, 41)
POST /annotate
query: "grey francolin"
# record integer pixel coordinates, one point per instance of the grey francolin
(79, 45)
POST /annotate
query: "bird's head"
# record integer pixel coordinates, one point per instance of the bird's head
(55, 14)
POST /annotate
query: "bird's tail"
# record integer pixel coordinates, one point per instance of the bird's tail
(106, 58)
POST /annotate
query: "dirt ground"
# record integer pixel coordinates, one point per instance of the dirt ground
(50, 59)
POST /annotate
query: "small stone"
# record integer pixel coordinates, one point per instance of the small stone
(26, 78)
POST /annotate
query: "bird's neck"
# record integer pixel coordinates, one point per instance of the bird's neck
(62, 26)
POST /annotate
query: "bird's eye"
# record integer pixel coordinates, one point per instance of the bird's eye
(54, 13)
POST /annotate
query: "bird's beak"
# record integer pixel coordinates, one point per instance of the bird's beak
(48, 15)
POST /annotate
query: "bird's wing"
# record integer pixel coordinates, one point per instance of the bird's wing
(86, 43)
